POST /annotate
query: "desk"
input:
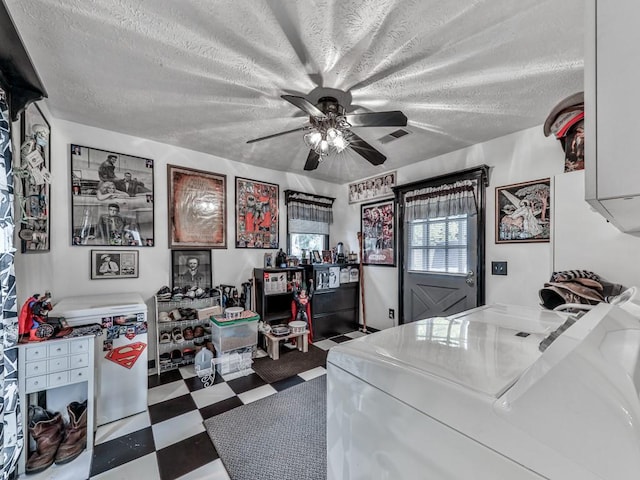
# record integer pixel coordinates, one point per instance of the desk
(52, 364)
(273, 348)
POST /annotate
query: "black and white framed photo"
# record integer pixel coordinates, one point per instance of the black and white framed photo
(372, 188)
(107, 264)
(111, 198)
(191, 268)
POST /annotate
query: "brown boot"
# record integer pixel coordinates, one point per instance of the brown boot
(75, 440)
(47, 429)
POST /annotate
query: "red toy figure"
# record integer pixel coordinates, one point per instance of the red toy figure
(33, 315)
(301, 307)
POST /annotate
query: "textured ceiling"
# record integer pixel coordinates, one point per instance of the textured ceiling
(208, 75)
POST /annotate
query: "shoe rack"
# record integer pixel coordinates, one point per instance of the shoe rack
(167, 321)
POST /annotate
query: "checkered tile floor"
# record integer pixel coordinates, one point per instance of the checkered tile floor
(169, 441)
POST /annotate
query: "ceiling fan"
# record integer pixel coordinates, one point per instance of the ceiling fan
(329, 127)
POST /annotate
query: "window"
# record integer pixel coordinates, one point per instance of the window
(308, 220)
(439, 245)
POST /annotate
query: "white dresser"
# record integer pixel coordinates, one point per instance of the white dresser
(56, 364)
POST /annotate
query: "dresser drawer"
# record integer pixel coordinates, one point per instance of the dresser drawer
(57, 379)
(59, 348)
(79, 346)
(33, 369)
(79, 375)
(36, 353)
(35, 384)
(57, 364)
(77, 361)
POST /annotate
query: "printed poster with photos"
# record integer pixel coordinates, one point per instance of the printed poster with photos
(256, 214)
(111, 198)
(523, 212)
(378, 237)
(372, 188)
(33, 201)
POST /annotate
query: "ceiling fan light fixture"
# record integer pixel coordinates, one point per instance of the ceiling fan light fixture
(313, 139)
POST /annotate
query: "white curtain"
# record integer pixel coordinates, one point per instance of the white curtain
(442, 201)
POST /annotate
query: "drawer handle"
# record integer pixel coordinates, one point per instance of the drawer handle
(36, 383)
(35, 368)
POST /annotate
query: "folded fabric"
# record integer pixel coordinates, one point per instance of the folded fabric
(555, 294)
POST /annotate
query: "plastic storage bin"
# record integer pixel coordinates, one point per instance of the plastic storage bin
(238, 360)
(232, 335)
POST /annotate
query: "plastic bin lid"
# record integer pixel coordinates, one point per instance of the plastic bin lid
(248, 316)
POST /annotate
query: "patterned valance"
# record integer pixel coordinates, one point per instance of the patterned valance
(442, 201)
(309, 207)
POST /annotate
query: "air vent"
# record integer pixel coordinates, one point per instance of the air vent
(393, 136)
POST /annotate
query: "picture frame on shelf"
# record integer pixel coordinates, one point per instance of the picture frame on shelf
(523, 212)
(197, 208)
(326, 256)
(268, 260)
(257, 205)
(111, 264)
(377, 222)
(191, 268)
(112, 198)
(371, 188)
(34, 227)
(315, 255)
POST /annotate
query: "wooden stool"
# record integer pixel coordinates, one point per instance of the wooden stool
(273, 341)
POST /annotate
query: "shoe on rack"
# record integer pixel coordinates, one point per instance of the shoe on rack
(75, 438)
(188, 354)
(165, 337)
(176, 356)
(187, 333)
(176, 334)
(198, 331)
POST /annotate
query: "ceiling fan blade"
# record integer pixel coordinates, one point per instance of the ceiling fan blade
(305, 105)
(313, 160)
(362, 148)
(275, 135)
(394, 118)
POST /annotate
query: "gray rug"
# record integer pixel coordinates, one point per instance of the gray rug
(290, 363)
(281, 437)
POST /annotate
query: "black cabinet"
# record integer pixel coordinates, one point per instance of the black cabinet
(335, 307)
(274, 292)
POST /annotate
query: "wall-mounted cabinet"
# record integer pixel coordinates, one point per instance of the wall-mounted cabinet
(612, 99)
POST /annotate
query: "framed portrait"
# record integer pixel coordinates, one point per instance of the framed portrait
(111, 198)
(34, 199)
(316, 256)
(378, 233)
(114, 264)
(197, 208)
(523, 212)
(371, 188)
(191, 269)
(256, 214)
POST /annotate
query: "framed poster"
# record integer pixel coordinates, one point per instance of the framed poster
(111, 198)
(34, 215)
(371, 188)
(191, 269)
(256, 214)
(114, 264)
(378, 233)
(197, 208)
(523, 212)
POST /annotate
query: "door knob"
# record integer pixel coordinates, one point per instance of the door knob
(470, 280)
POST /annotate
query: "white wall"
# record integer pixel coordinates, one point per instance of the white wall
(65, 270)
(522, 156)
